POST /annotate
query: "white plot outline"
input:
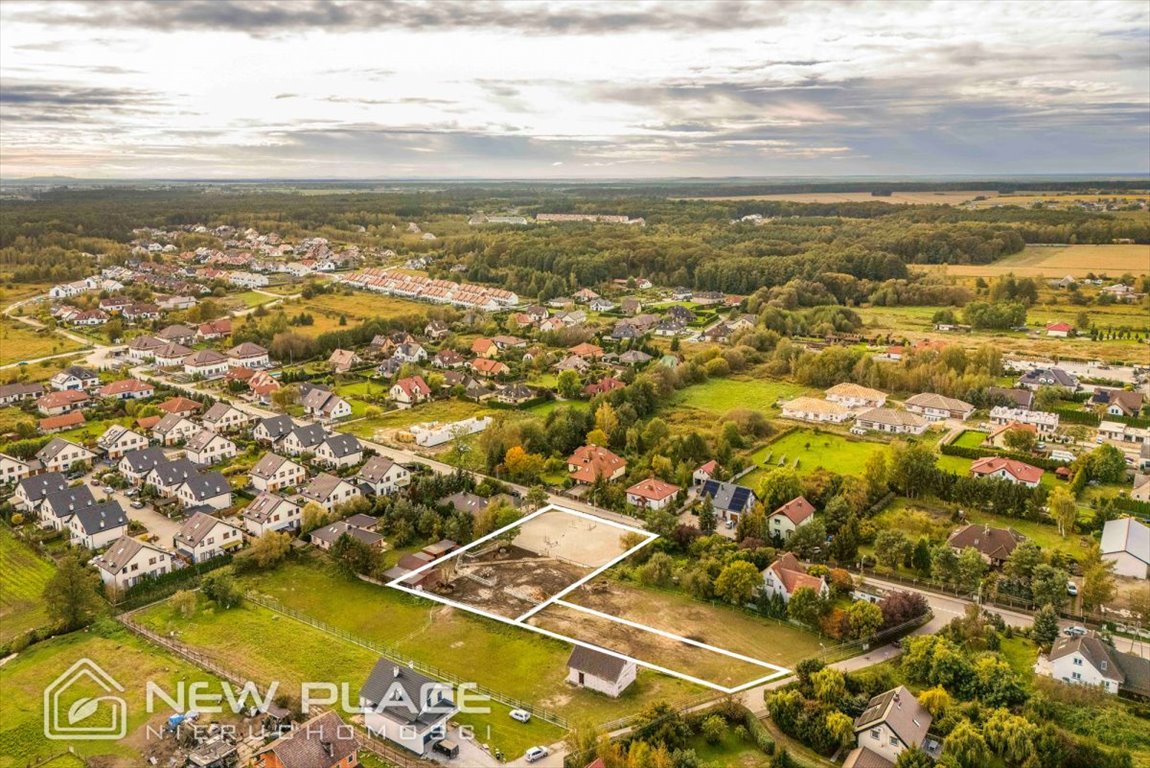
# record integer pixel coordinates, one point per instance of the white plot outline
(557, 599)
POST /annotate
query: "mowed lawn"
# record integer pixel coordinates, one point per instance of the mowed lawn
(1059, 261)
(844, 455)
(129, 660)
(23, 574)
(19, 342)
(726, 394)
(529, 666)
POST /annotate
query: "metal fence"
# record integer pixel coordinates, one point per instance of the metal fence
(393, 654)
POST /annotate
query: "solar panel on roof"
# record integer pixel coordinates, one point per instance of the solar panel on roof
(739, 497)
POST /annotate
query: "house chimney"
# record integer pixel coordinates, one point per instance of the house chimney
(328, 749)
(395, 671)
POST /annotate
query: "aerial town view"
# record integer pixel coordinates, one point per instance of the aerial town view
(574, 384)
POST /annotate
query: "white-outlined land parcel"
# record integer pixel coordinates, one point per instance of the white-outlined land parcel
(519, 573)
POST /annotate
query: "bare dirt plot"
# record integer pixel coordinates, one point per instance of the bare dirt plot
(1059, 261)
(578, 540)
(649, 647)
(904, 198)
(504, 579)
(717, 625)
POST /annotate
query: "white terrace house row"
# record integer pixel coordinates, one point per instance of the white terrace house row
(1044, 422)
(204, 537)
(273, 472)
(206, 448)
(129, 561)
(269, 512)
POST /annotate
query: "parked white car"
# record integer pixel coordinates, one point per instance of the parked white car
(1075, 631)
(536, 753)
(522, 715)
(1072, 589)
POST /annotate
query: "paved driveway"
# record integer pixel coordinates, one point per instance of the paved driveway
(163, 528)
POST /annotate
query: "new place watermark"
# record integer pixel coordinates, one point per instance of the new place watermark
(86, 703)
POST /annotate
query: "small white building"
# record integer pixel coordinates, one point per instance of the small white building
(13, 470)
(892, 722)
(599, 671)
(223, 417)
(934, 407)
(856, 396)
(339, 451)
(248, 355)
(405, 707)
(1126, 543)
(652, 493)
(329, 491)
(210, 489)
(890, 421)
(60, 455)
(790, 517)
(785, 576)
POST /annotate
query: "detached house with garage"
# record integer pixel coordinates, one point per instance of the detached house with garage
(204, 537)
(785, 576)
(1088, 661)
(729, 500)
(855, 396)
(652, 493)
(405, 707)
(591, 463)
(892, 722)
(322, 403)
(603, 672)
(269, 512)
(790, 517)
(814, 410)
(130, 561)
(1017, 472)
(410, 391)
(994, 544)
(206, 448)
(127, 389)
(273, 472)
(59, 403)
(74, 378)
(118, 440)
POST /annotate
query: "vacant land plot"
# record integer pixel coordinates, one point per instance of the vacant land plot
(381, 427)
(1059, 261)
(722, 395)
(813, 449)
(970, 438)
(642, 645)
(364, 306)
(19, 342)
(530, 667)
(905, 198)
(540, 558)
(23, 574)
(130, 661)
(1067, 200)
(714, 624)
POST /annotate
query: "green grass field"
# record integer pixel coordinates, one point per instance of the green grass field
(530, 667)
(23, 575)
(363, 306)
(251, 298)
(130, 661)
(726, 394)
(19, 342)
(846, 456)
(970, 438)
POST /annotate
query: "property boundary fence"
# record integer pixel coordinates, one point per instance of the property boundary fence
(393, 654)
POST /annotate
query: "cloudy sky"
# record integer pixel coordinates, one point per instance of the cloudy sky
(296, 89)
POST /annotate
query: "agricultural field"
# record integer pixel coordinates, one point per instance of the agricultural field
(898, 198)
(1063, 200)
(130, 661)
(531, 668)
(363, 306)
(23, 574)
(813, 449)
(1058, 261)
(19, 342)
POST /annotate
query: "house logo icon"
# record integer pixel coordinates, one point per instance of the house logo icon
(82, 705)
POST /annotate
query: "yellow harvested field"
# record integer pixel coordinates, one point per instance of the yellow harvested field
(1058, 261)
(18, 343)
(905, 198)
(1057, 200)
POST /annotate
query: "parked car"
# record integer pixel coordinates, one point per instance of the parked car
(536, 753)
(522, 715)
(137, 505)
(446, 747)
(1075, 631)
(1072, 589)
